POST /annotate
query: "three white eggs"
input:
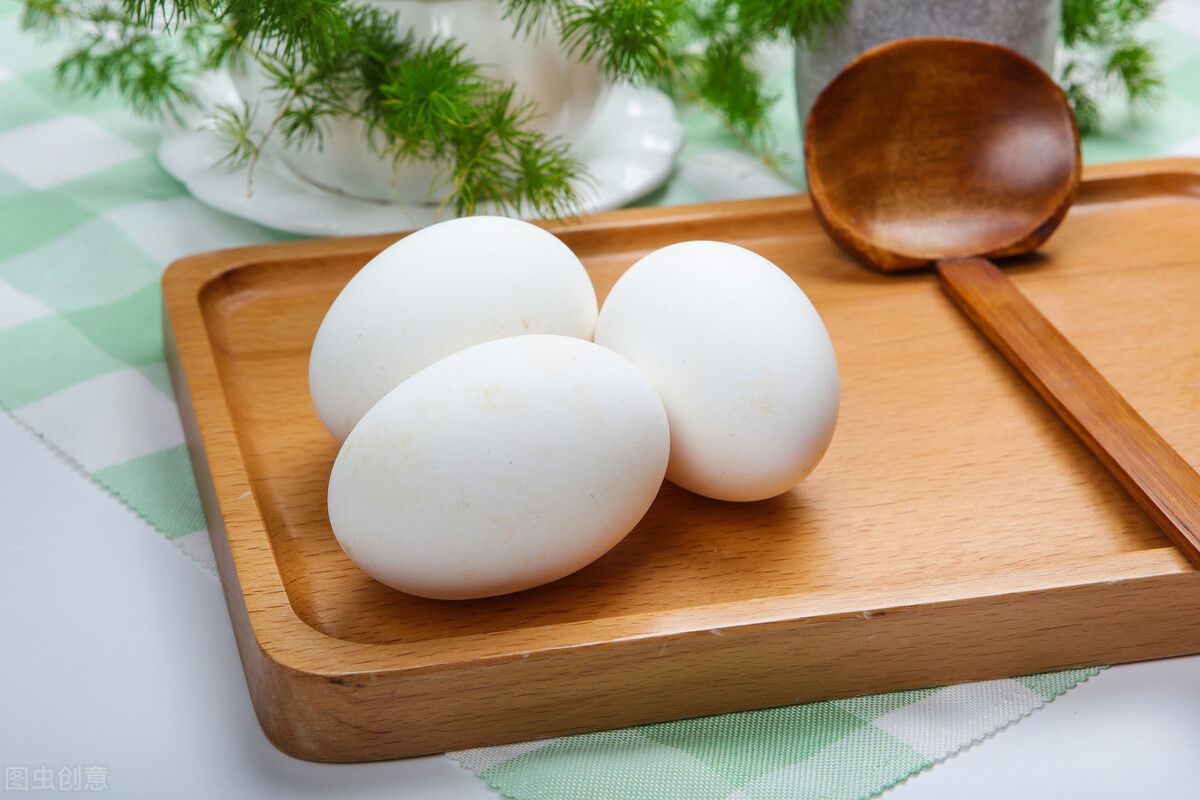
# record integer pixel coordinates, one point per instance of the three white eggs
(490, 445)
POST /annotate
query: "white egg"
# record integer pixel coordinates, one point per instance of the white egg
(435, 292)
(742, 362)
(502, 467)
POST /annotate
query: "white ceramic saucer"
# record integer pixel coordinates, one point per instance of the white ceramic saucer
(630, 150)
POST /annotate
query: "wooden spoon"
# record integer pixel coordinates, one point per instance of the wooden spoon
(948, 152)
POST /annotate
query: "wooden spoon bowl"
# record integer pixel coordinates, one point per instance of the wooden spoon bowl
(924, 149)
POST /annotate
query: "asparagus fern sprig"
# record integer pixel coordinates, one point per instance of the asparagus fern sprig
(1102, 53)
(329, 59)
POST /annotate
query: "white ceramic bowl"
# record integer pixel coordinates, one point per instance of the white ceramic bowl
(565, 91)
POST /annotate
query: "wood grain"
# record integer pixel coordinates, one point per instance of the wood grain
(956, 530)
(1164, 485)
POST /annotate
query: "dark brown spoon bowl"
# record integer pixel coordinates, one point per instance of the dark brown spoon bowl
(952, 151)
(924, 149)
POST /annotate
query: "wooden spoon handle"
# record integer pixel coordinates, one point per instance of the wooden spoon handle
(1157, 477)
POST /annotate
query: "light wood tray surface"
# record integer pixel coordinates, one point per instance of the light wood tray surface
(956, 529)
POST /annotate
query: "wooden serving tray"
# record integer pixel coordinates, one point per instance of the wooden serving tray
(955, 531)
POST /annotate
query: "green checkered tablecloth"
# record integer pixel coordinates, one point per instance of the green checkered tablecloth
(88, 221)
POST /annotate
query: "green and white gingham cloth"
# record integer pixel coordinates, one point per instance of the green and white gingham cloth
(88, 221)
(836, 750)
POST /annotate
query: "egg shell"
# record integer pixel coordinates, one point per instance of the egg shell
(502, 467)
(742, 362)
(437, 291)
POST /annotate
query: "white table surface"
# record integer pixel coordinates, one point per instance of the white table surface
(118, 655)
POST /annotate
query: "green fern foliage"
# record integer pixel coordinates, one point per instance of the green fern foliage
(1103, 54)
(327, 59)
